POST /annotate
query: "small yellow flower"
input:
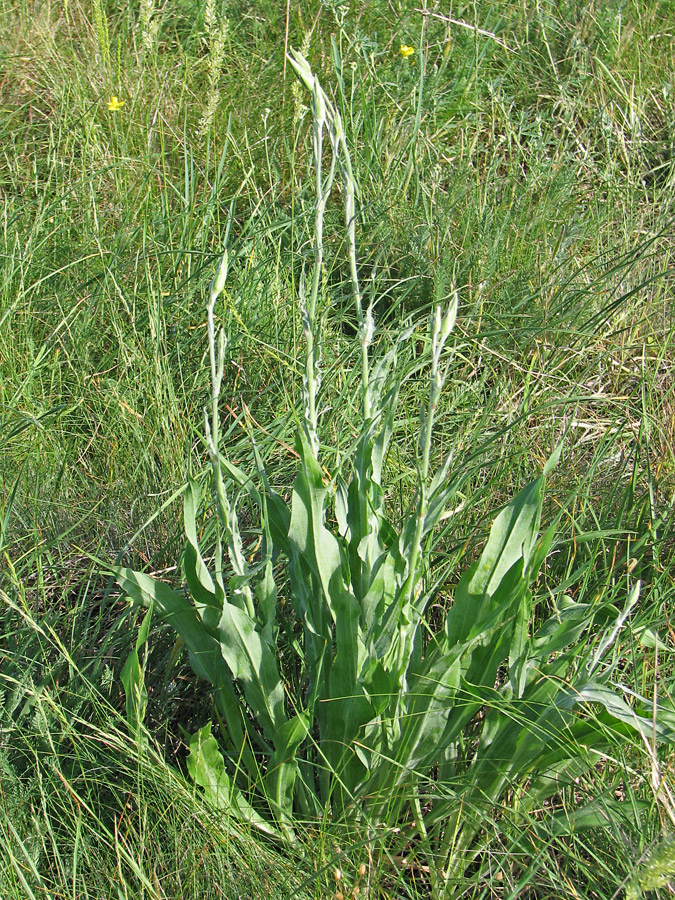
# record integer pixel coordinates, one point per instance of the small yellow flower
(115, 103)
(406, 51)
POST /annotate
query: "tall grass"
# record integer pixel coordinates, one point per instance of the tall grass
(527, 161)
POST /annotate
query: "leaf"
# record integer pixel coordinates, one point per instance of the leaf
(278, 516)
(599, 813)
(562, 630)
(133, 679)
(378, 686)
(252, 663)
(647, 637)
(207, 769)
(598, 693)
(489, 639)
(201, 584)
(499, 581)
(177, 611)
(426, 709)
(361, 503)
(320, 552)
(266, 595)
(512, 537)
(204, 649)
(205, 602)
(283, 768)
(317, 546)
(379, 609)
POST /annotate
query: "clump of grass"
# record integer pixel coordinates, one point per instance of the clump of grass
(86, 811)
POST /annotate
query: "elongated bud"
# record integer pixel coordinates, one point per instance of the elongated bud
(302, 69)
(449, 318)
(337, 127)
(220, 277)
(318, 103)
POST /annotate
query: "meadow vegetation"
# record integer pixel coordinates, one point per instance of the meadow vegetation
(450, 677)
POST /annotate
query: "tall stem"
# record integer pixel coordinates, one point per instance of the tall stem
(441, 326)
(365, 321)
(326, 116)
(216, 357)
(309, 319)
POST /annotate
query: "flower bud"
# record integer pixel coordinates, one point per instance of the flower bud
(220, 277)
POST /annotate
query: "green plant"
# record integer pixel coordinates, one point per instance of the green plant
(336, 693)
(102, 33)
(657, 871)
(216, 38)
(149, 23)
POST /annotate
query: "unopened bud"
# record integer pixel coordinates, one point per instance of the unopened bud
(220, 277)
(319, 103)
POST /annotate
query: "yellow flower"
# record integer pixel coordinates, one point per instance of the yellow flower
(406, 51)
(115, 103)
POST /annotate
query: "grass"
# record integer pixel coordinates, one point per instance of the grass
(524, 155)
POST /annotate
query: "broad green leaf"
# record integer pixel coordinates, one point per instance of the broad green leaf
(254, 665)
(649, 638)
(133, 679)
(379, 608)
(176, 610)
(266, 595)
(205, 602)
(519, 650)
(561, 630)
(319, 548)
(200, 582)
(490, 636)
(283, 767)
(378, 685)
(342, 720)
(204, 649)
(497, 585)
(597, 693)
(599, 813)
(426, 709)
(207, 769)
(512, 537)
